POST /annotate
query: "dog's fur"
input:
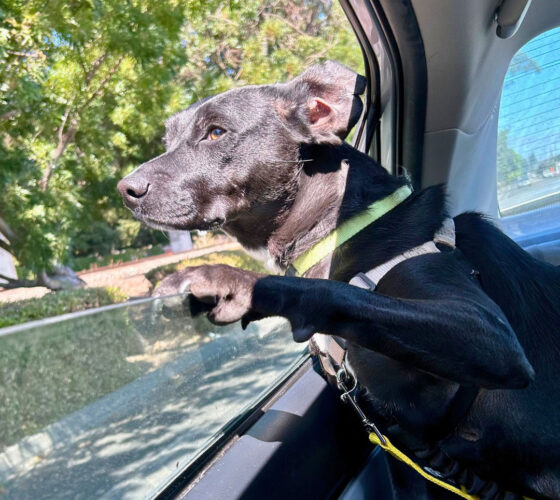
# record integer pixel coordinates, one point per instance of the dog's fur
(485, 315)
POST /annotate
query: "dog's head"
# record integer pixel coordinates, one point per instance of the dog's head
(239, 152)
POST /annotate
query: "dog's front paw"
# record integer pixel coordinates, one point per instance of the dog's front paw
(172, 285)
(224, 292)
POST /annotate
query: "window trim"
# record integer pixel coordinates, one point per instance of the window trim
(394, 117)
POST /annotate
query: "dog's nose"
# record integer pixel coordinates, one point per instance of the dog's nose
(133, 189)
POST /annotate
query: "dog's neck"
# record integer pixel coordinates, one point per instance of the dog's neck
(337, 184)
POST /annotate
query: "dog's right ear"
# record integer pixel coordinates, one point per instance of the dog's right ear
(322, 104)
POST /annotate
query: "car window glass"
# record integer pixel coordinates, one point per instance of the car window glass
(114, 402)
(528, 156)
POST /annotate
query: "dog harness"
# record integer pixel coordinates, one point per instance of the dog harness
(332, 355)
(326, 347)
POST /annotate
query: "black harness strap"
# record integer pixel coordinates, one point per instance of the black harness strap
(458, 409)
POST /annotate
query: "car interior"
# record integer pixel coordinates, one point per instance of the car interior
(435, 71)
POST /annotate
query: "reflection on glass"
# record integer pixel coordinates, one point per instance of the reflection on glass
(110, 404)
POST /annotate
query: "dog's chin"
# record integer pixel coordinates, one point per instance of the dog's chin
(179, 224)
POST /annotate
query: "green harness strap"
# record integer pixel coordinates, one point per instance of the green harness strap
(347, 229)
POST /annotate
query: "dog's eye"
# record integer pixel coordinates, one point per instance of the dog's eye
(216, 133)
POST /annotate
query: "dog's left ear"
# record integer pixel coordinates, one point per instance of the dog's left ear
(322, 104)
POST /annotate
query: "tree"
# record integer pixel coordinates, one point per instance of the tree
(255, 42)
(510, 162)
(86, 87)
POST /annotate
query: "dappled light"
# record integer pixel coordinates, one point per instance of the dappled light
(84, 423)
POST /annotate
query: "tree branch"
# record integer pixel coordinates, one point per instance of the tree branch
(103, 84)
(32, 55)
(6, 230)
(288, 23)
(94, 67)
(66, 137)
(5, 246)
(9, 114)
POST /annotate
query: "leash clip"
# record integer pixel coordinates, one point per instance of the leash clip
(349, 396)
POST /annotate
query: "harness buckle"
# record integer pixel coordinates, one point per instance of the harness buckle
(343, 381)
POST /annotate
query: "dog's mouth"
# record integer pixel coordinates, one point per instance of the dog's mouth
(179, 223)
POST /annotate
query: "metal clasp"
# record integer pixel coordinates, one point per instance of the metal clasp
(343, 380)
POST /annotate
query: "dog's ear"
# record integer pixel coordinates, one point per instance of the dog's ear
(322, 104)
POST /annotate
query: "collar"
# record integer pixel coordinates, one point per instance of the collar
(347, 230)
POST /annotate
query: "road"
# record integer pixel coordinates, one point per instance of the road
(140, 436)
(545, 188)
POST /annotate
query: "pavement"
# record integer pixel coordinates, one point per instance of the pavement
(129, 276)
(545, 189)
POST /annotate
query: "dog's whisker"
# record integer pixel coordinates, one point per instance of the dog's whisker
(292, 161)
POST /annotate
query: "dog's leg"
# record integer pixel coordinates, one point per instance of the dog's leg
(446, 325)
(461, 335)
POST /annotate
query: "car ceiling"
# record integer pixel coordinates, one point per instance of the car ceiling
(466, 66)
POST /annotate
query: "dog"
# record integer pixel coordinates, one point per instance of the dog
(268, 164)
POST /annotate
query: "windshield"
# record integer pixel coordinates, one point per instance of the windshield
(113, 403)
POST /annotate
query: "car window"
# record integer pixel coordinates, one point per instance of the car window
(528, 156)
(114, 402)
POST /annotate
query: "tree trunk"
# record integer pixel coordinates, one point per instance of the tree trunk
(64, 138)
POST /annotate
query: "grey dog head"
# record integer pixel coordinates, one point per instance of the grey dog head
(237, 153)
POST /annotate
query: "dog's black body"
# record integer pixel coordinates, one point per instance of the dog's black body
(485, 315)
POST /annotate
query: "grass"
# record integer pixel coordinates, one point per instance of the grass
(234, 258)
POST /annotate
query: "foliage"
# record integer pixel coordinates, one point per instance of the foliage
(53, 304)
(101, 242)
(521, 63)
(234, 258)
(87, 86)
(126, 255)
(510, 162)
(254, 42)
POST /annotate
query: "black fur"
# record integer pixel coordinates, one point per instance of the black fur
(485, 315)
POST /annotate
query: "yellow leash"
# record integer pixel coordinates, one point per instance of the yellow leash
(379, 439)
(399, 455)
